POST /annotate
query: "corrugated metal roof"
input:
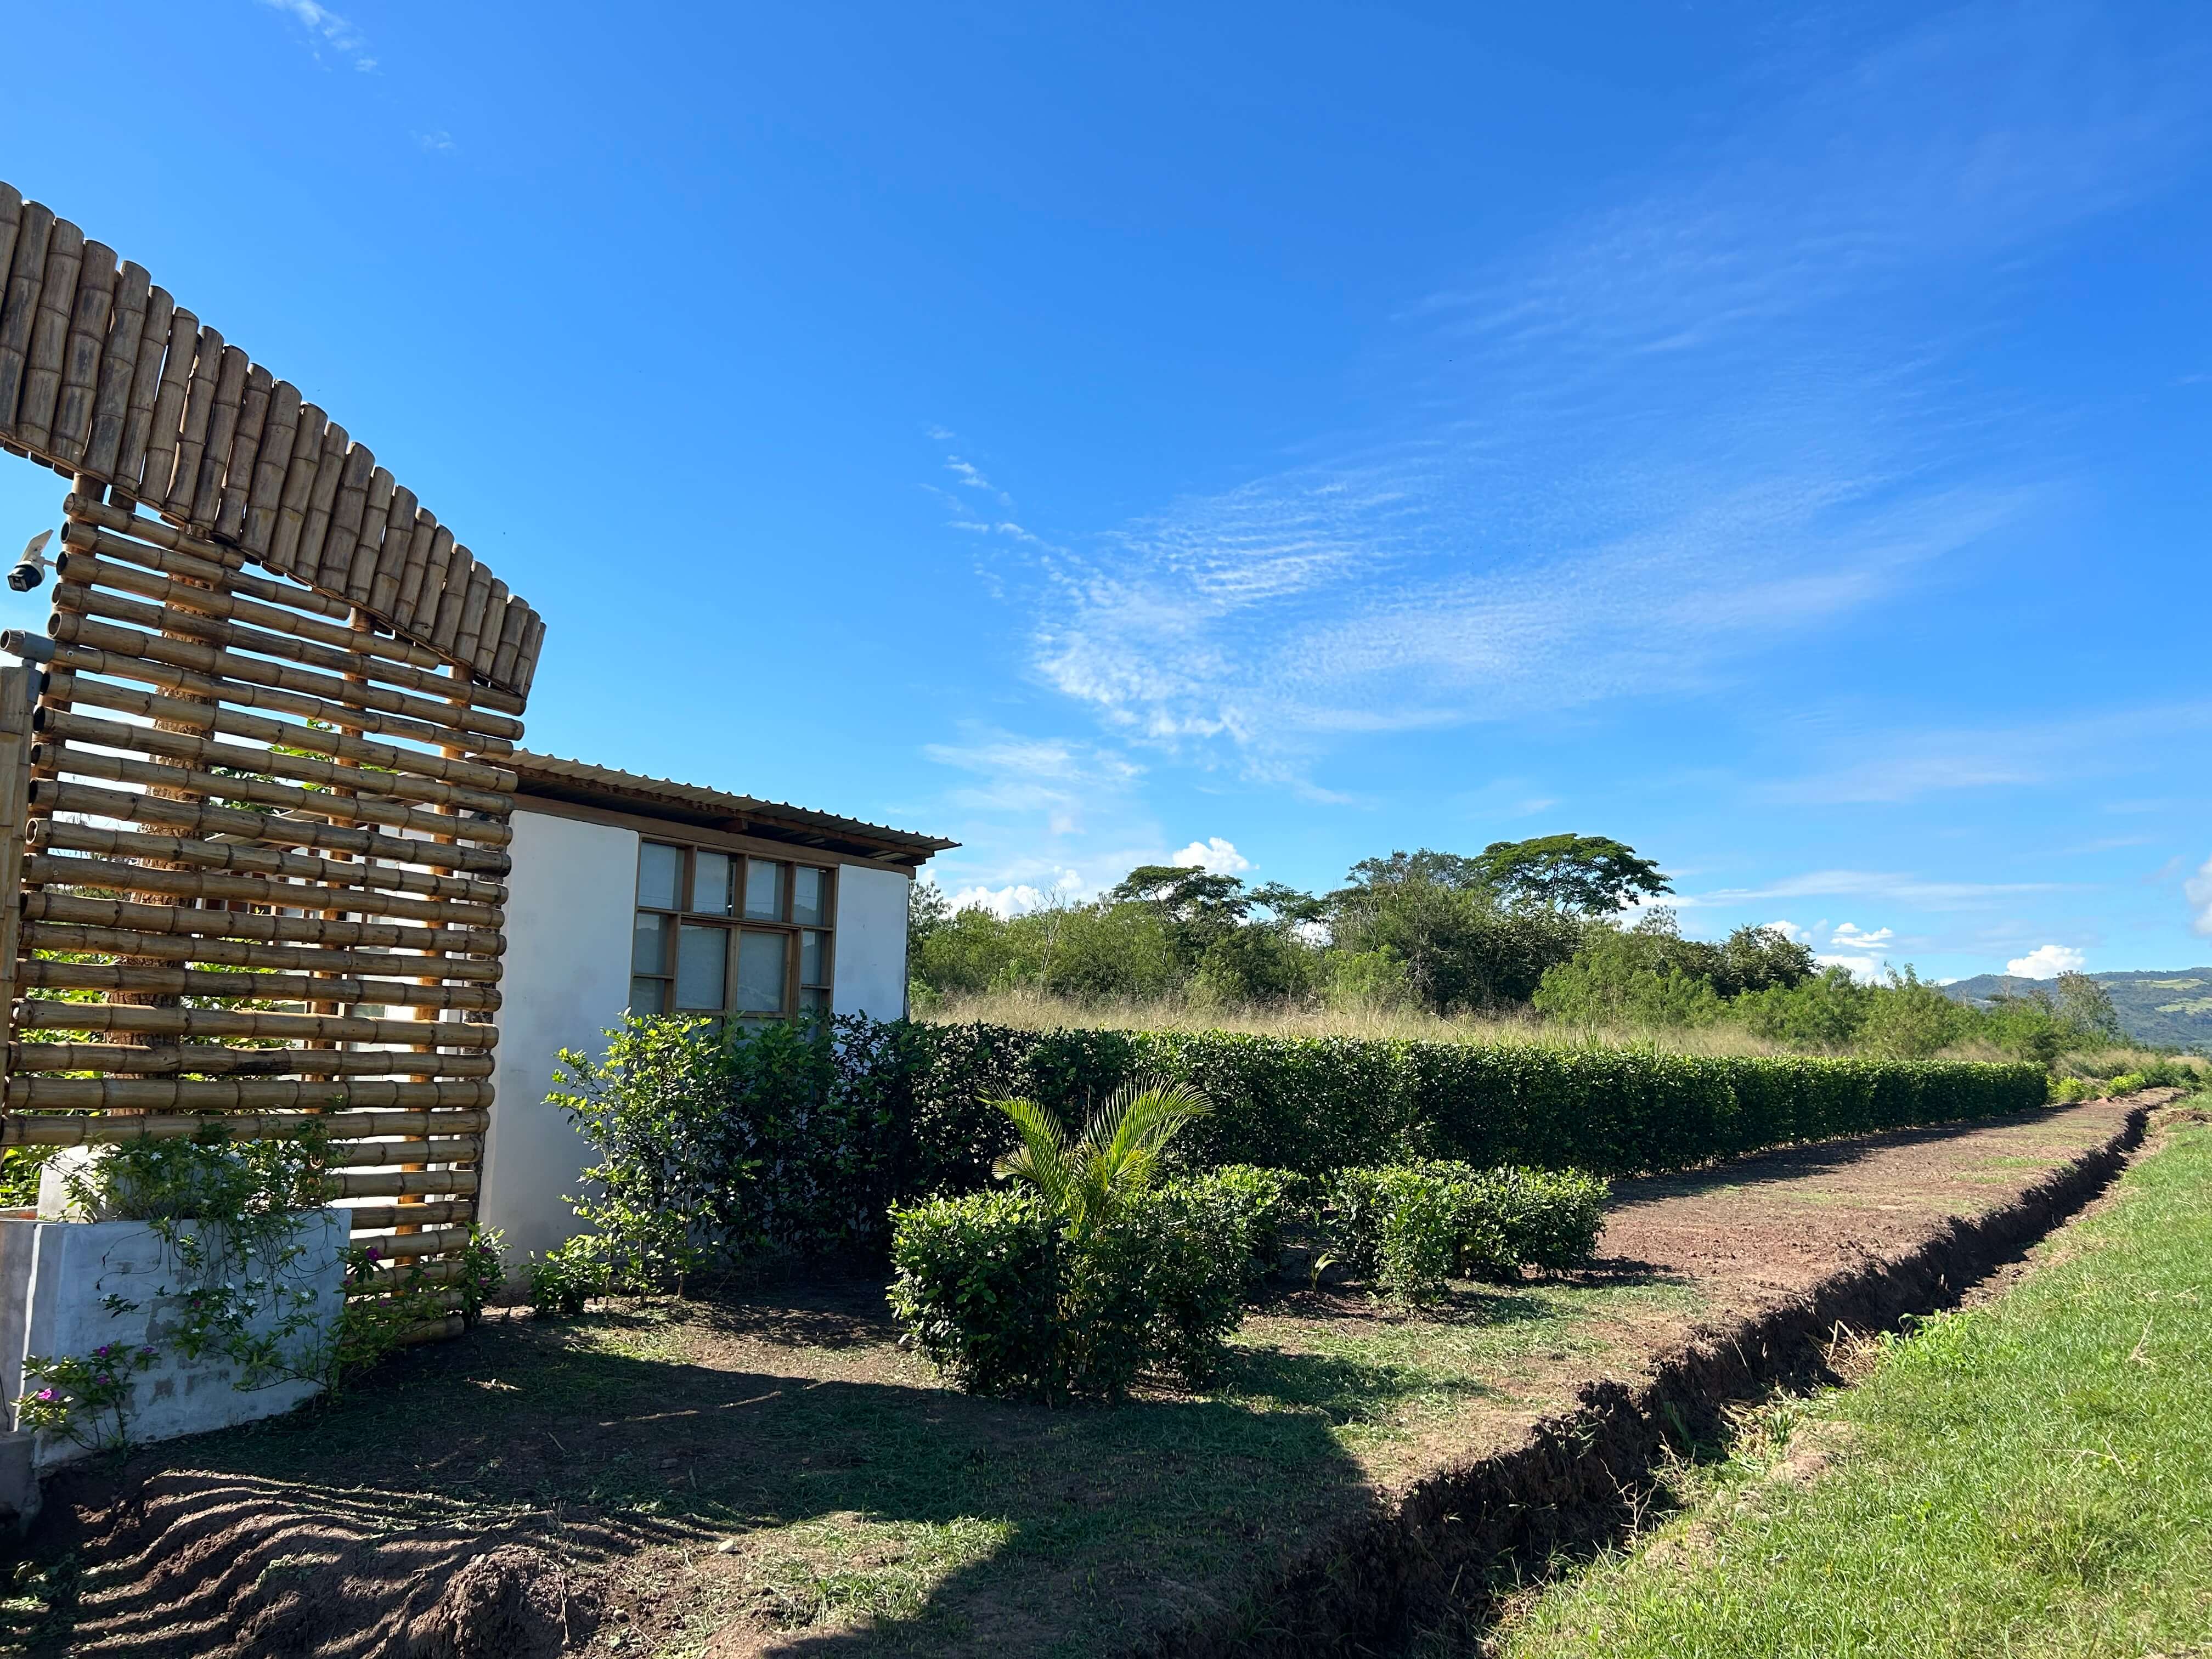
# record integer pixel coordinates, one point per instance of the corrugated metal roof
(553, 777)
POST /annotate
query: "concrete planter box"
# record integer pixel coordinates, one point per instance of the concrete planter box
(55, 1281)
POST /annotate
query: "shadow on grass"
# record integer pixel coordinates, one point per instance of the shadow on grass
(952, 1522)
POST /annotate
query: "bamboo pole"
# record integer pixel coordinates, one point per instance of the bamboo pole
(57, 1129)
(118, 363)
(11, 225)
(376, 1218)
(203, 887)
(169, 398)
(126, 916)
(515, 618)
(360, 572)
(525, 664)
(426, 533)
(83, 1094)
(192, 430)
(316, 739)
(224, 410)
(19, 310)
(472, 616)
(481, 976)
(214, 1060)
(15, 697)
(54, 796)
(40, 1016)
(228, 621)
(42, 375)
(145, 387)
(381, 590)
(354, 477)
(446, 623)
(300, 475)
(127, 665)
(244, 453)
(45, 974)
(385, 1154)
(322, 494)
(92, 310)
(271, 462)
(418, 602)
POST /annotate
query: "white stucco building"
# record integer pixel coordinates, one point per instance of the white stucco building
(635, 892)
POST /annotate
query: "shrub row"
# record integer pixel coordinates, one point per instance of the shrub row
(712, 1152)
(1405, 1228)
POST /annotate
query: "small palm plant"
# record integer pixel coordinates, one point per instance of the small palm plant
(1118, 1157)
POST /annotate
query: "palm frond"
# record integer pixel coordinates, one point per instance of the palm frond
(1041, 1157)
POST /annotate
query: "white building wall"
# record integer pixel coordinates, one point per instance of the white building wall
(572, 898)
(869, 975)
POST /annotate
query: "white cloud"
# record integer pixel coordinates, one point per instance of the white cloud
(2046, 961)
(1868, 883)
(327, 29)
(1790, 930)
(1220, 857)
(435, 141)
(1019, 898)
(1849, 936)
(2198, 887)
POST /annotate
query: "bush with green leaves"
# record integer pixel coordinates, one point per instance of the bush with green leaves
(1406, 1228)
(1266, 1204)
(1090, 1275)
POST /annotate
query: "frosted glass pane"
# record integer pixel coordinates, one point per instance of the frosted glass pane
(710, 883)
(702, 957)
(813, 958)
(657, 869)
(760, 973)
(645, 996)
(815, 1004)
(763, 890)
(648, 947)
(810, 894)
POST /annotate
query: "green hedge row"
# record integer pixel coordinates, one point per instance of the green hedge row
(1315, 1104)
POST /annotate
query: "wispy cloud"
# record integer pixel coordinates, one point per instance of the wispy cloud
(1898, 888)
(1652, 442)
(327, 31)
(2046, 961)
(435, 141)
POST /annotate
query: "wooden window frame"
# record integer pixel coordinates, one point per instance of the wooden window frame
(736, 921)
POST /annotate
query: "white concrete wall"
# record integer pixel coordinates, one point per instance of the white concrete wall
(869, 977)
(572, 898)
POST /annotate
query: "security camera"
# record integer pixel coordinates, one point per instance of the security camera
(31, 570)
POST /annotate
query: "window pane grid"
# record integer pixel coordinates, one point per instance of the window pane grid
(721, 934)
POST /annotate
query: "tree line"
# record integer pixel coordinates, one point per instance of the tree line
(1527, 927)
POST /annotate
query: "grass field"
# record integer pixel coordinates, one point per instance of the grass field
(2031, 1476)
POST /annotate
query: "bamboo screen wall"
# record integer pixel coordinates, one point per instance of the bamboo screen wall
(253, 833)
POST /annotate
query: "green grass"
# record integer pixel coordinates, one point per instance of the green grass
(2032, 1477)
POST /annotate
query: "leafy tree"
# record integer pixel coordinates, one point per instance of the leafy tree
(1460, 948)
(1909, 1019)
(1761, 959)
(1632, 978)
(1822, 1013)
(2086, 1005)
(1594, 875)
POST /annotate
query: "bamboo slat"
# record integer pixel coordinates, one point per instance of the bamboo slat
(42, 373)
(65, 835)
(19, 310)
(515, 618)
(446, 621)
(230, 622)
(375, 1218)
(472, 730)
(417, 561)
(321, 740)
(432, 1241)
(351, 502)
(93, 1094)
(418, 594)
(79, 659)
(224, 562)
(322, 494)
(270, 829)
(481, 976)
(11, 223)
(224, 409)
(91, 316)
(57, 1129)
(473, 606)
(209, 888)
(382, 590)
(193, 431)
(525, 662)
(118, 363)
(60, 758)
(376, 521)
(145, 387)
(43, 1016)
(272, 462)
(169, 398)
(283, 553)
(394, 1183)
(214, 1059)
(129, 917)
(45, 974)
(244, 452)
(15, 690)
(377, 1155)
(405, 1277)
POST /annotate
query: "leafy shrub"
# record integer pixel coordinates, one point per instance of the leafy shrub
(1406, 1228)
(570, 1274)
(1265, 1203)
(977, 1290)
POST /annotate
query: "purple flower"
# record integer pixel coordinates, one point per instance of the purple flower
(146, 1352)
(100, 1353)
(373, 1254)
(44, 1394)
(103, 1379)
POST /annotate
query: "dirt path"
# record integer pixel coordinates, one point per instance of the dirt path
(774, 1476)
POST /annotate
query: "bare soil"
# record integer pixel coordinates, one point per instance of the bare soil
(774, 1474)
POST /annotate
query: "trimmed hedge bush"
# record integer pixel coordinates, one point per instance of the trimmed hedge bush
(1008, 1299)
(1405, 1228)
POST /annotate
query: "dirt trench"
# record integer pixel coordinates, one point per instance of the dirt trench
(1448, 1553)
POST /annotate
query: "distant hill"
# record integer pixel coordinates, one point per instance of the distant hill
(2170, 1009)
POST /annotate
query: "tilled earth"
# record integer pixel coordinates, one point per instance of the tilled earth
(774, 1474)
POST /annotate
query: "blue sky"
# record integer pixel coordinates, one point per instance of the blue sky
(1773, 436)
